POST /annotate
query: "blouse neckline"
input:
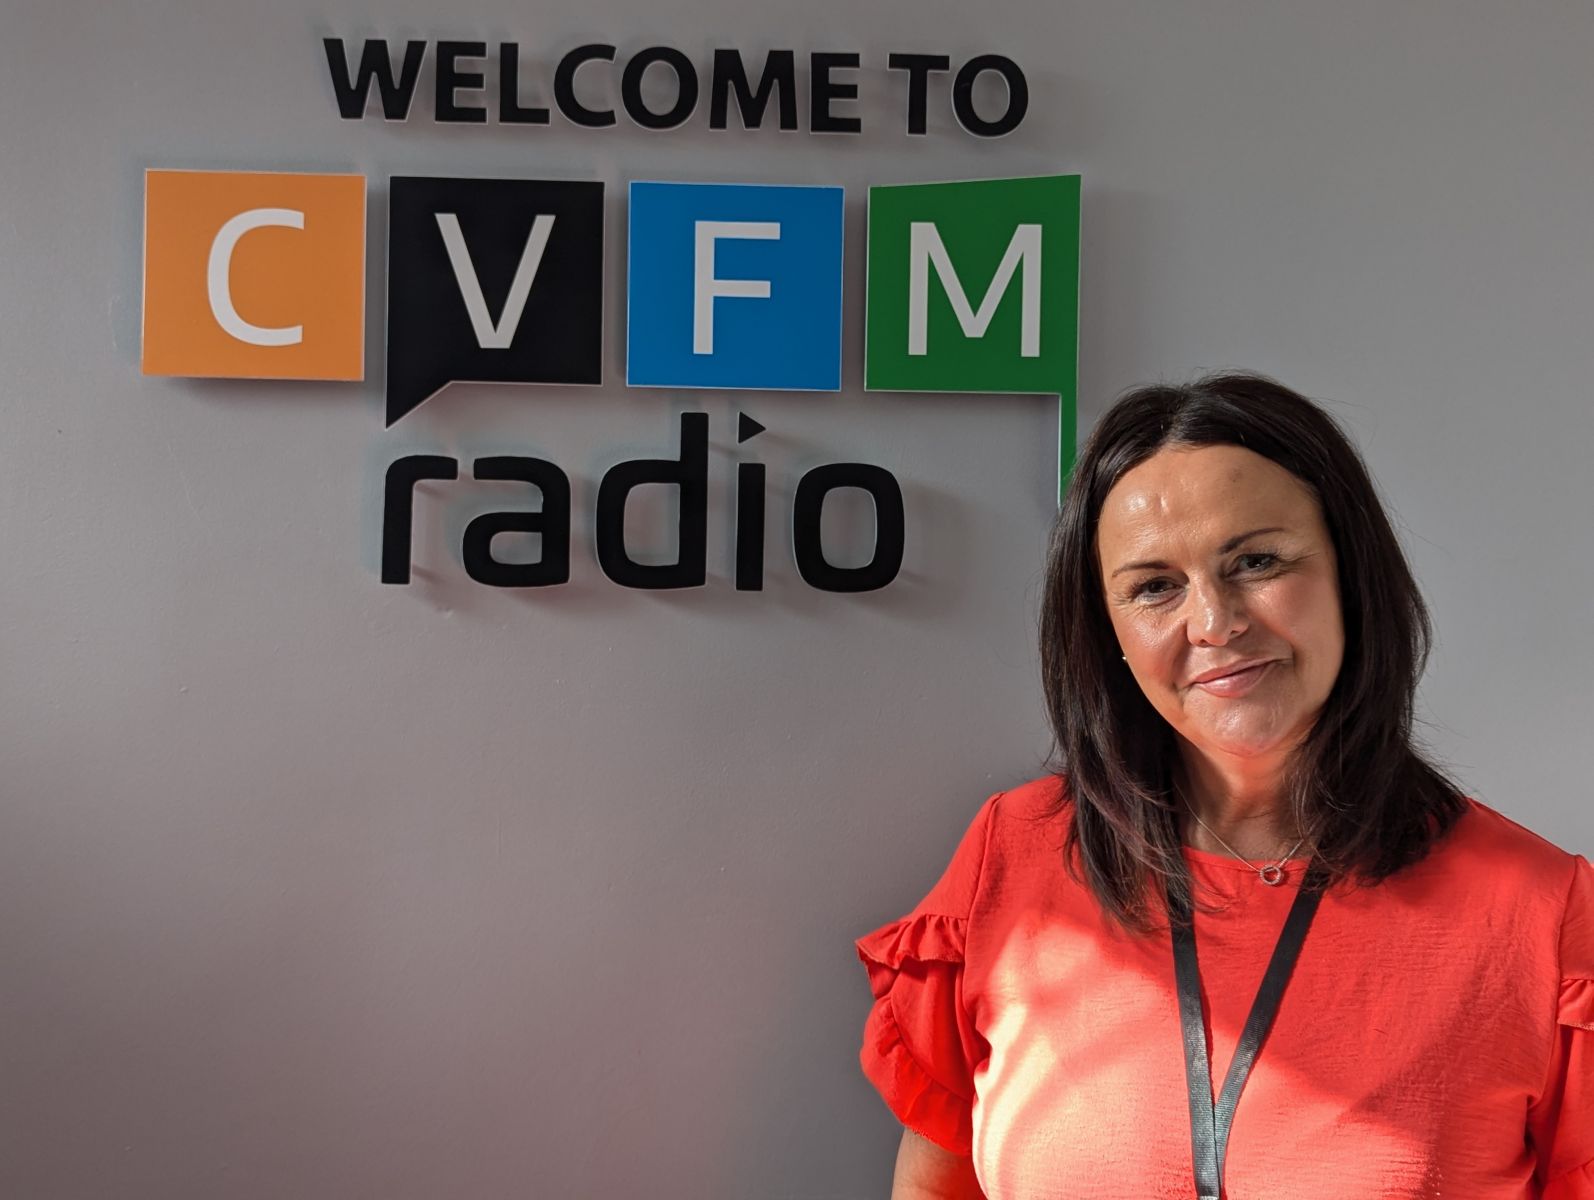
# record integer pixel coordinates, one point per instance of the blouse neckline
(1212, 858)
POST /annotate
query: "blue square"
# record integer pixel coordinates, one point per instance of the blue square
(734, 285)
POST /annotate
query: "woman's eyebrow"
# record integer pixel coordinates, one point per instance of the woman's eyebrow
(1232, 544)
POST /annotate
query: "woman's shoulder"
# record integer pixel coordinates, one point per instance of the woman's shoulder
(1042, 798)
(1037, 808)
(1489, 844)
(1496, 876)
(1522, 879)
(1027, 825)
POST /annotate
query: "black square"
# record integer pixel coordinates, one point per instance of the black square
(433, 338)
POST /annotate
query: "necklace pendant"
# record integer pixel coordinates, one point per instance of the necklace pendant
(1272, 874)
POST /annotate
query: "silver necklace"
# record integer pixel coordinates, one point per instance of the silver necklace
(1271, 873)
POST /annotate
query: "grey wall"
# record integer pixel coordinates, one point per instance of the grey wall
(313, 887)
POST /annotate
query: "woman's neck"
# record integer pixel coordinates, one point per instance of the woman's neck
(1244, 809)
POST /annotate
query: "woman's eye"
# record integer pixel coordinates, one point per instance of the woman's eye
(1145, 588)
(1267, 560)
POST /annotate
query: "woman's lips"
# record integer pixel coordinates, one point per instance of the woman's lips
(1237, 684)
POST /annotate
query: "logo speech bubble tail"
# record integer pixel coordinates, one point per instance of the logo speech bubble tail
(407, 393)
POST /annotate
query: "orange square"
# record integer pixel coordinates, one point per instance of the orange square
(254, 275)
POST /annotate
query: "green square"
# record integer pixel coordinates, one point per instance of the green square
(974, 287)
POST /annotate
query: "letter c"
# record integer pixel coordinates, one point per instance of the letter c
(218, 277)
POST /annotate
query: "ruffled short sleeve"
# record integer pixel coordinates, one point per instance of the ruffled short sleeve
(920, 1049)
(1561, 1124)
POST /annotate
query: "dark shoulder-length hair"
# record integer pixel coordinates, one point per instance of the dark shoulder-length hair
(1358, 787)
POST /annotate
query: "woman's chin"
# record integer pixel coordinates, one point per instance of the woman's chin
(1231, 742)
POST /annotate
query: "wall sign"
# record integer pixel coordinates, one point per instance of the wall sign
(972, 287)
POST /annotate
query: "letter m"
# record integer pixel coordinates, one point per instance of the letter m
(926, 250)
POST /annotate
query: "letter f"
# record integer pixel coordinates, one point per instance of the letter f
(706, 285)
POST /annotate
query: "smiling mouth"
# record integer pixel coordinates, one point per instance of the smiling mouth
(1236, 684)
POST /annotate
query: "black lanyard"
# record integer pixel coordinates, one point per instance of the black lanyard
(1209, 1129)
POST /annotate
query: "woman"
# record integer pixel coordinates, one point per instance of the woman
(1243, 861)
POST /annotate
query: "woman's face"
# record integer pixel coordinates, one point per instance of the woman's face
(1214, 557)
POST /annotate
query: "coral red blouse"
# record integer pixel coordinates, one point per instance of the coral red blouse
(1436, 1038)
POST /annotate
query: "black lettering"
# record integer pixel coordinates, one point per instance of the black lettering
(450, 79)
(750, 527)
(963, 95)
(918, 67)
(685, 88)
(398, 508)
(509, 110)
(823, 92)
(564, 87)
(552, 523)
(807, 508)
(375, 63)
(779, 77)
(690, 474)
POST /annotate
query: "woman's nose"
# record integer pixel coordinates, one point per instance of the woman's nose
(1215, 612)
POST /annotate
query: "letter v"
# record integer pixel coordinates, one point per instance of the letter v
(488, 335)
